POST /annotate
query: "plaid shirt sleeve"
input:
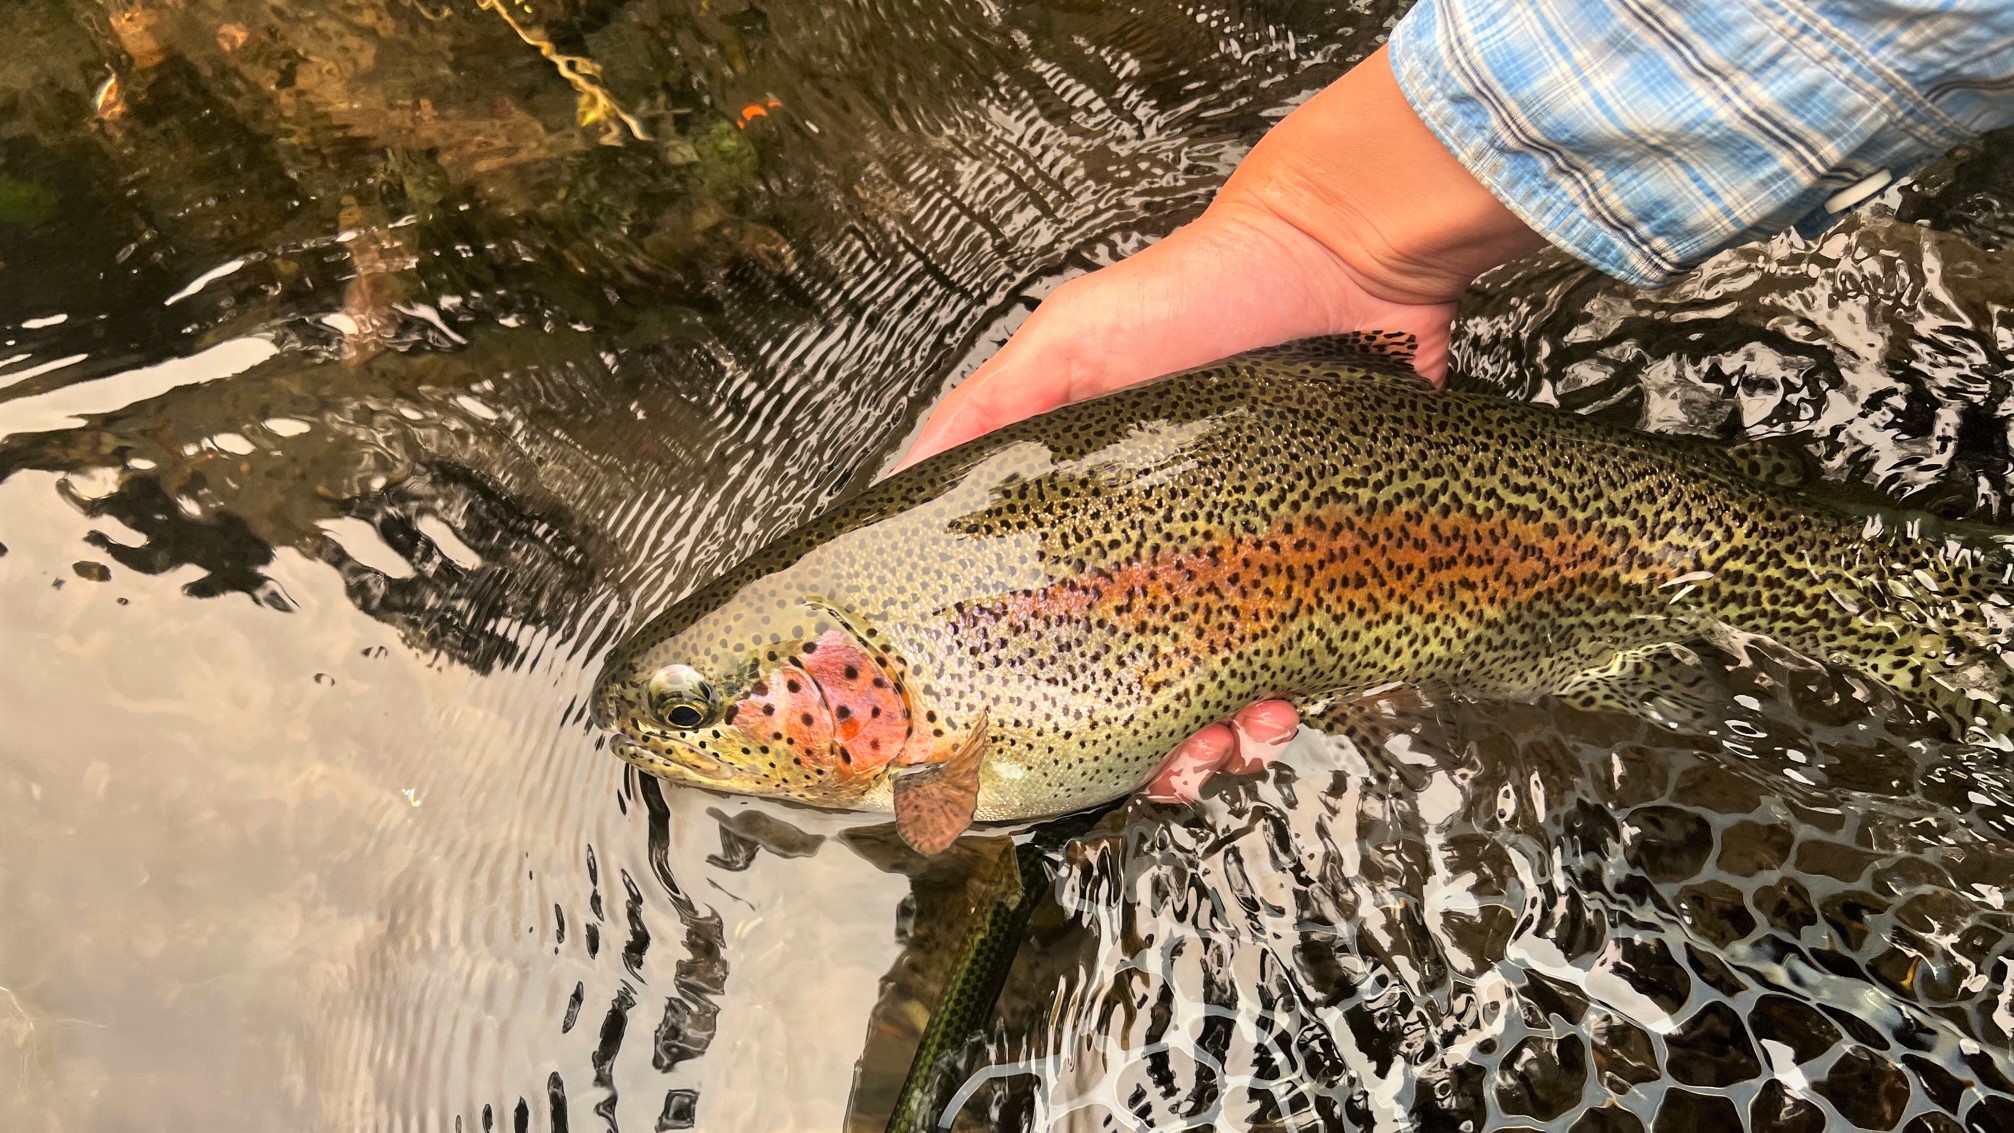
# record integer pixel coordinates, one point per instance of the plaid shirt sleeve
(1642, 136)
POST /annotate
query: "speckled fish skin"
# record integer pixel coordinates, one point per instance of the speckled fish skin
(1084, 589)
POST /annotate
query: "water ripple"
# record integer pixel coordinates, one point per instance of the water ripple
(354, 397)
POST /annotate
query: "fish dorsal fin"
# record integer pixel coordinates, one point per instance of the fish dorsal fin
(935, 801)
(1376, 351)
(1780, 461)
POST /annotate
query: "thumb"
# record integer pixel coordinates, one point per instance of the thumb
(1233, 280)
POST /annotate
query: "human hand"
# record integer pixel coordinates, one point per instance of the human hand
(1239, 277)
(1349, 215)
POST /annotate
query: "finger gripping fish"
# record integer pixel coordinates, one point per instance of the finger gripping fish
(1025, 625)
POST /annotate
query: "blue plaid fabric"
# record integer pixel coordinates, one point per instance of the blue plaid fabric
(1644, 135)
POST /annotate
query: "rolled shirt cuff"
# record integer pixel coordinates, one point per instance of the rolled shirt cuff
(1644, 136)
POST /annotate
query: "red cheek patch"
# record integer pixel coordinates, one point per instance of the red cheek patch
(870, 715)
(785, 709)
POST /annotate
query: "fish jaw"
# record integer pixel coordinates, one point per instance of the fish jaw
(673, 761)
(764, 696)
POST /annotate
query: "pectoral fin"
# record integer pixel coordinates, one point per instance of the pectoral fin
(934, 801)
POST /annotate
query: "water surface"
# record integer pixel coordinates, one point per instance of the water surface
(366, 372)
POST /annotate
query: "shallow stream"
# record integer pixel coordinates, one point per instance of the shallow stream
(369, 366)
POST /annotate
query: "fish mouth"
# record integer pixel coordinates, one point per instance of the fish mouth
(671, 759)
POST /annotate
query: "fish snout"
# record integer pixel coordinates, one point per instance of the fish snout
(817, 712)
(607, 703)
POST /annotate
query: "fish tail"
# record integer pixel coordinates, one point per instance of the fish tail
(1925, 608)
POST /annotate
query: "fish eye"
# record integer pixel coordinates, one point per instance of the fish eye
(682, 698)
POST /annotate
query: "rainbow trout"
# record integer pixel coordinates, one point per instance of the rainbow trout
(1025, 625)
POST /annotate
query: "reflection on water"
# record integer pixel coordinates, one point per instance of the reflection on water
(365, 369)
(1559, 920)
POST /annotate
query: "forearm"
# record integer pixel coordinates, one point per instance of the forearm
(1644, 135)
(1356, 170)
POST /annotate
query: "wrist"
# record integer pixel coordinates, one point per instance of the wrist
(1356, 171)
